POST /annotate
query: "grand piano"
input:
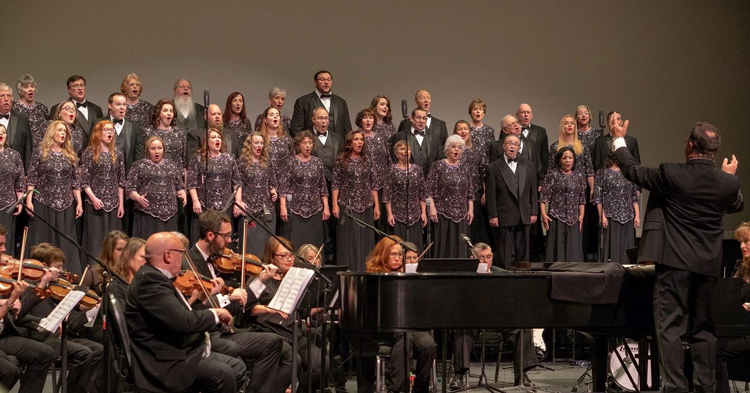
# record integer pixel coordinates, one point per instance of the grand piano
(375, 306)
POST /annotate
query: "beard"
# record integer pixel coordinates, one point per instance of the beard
(184, 105)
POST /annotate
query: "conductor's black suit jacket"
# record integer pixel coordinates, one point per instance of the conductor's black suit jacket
(167, 339)
(683, 225)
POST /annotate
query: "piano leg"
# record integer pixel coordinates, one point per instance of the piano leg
(599, 362)
(444, 360)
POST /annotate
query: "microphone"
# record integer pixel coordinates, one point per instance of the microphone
(229, 201)
(206, 98)
(266, 214)
(17, 202)
(404, 108)
(468, 241)
(601, 120)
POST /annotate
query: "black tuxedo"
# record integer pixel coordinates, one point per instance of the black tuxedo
(130, 141)
(425, 155)
(328, 152)
(539, 136)
(437, 126)
(19, 136)
(529, 152)
(603, 147)
(94, 113)
(338, 115)
(195, 140)
(682, 232)
(167, 339)
(512, 198)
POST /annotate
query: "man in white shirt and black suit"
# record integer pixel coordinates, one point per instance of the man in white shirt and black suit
(426, 147)
(16, 125)
(433, 124)
(327, 147)
(304, 107)
(88, 112)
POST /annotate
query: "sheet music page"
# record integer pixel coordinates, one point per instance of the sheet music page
(291, 290)
(52, 322)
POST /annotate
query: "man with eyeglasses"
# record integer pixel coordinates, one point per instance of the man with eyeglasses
(512, 204)
(263, 349)
(433, 125)
(425, 145)
(16, 125)
(88, 112)
(189, 115)
(511, 126)
(338, 111)
(463, 342)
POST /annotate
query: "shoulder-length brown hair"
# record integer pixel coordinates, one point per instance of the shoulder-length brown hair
(202, 150)
(264, 129)
(377, 259)
(272, 244)
(228, 108)
(346, 152)
(157, 109)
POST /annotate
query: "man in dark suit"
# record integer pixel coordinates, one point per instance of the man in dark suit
(338, 112)
(215, 120)
(511, 126)
(682, 233)
(87, 110)
(511, 202)
(16, 125)
(128, 139)
(433, 124)
(168, 337)
(603, 145)
(264, 350)
(533, 132)
(188, 114)
(426, 147)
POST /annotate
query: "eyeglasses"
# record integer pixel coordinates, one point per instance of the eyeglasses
(515, 123)
(77, 85)
(108, 130)
(397, 255)
(420, 117)
(512, 144)
(224, 235)
(68, 109)
(181, 251)
(485, 257)
(286, 255)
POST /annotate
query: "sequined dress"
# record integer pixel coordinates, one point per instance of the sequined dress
(406, 211)
(159, 182)
(306, 182)
(563, 193)
(286, 123)
(450, 188)
(37, 115)
(387, 129)
(13, 181)
(354, 180)
(483, 137)
(617, 196)
(175, 143)
(76, 137)
(256, 182)
(220, 180)
(242, 127)
(140, 113)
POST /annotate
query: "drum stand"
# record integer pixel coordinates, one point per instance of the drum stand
(582, 378)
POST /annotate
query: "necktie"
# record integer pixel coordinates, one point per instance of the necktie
(81, 105)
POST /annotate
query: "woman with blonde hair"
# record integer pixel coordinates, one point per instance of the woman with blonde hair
(103, 181)
(53, 173)
(257, 190)
(568, 137)
(139, 111)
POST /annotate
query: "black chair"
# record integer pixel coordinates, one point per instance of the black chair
(120, 343)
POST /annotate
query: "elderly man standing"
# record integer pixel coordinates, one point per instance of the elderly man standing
(433, 125)
(189, 115)
(16, 124)
(682, 234)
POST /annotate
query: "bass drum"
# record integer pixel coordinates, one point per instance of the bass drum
(617, 369)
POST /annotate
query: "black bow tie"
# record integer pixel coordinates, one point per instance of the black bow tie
(81, 105)
(429, 116)
(115, 121)
(325, 96)
(514, 159)
(6, 116)
(525, 128)
(420, 133)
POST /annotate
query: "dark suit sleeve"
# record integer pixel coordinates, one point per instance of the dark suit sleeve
(491, 192)
(347, 120)
(158, 300)
(534, 195)
(494, 153)
(544, 149)
(137, 151)
(652, 179)
(402, 125)
(739, 203)
(193, 144)
(298, 117)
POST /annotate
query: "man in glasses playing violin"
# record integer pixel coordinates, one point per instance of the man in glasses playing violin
(265, 349)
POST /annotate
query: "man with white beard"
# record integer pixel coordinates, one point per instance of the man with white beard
(189, 115)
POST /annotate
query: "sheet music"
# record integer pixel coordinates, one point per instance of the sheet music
(52, 322)
(291, 290)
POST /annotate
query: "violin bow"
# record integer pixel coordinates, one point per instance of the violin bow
(424, 252)
(203, 287)
(23, 252)
(244, 250)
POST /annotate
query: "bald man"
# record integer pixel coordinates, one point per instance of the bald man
(533, 132)
(215, 120)
(168, 338)
(435, 126)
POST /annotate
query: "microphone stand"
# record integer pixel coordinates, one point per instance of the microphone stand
(107, 276)
(378, 231)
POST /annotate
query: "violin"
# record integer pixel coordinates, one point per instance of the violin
(230, 262)
(6, 285)
(187, 281)
(32, 269)
(60, 288)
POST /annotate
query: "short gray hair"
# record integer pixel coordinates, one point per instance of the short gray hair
(455, 138)
(4, 87)
(276, 91)
(27, 79)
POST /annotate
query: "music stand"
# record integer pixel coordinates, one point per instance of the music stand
(448, 265)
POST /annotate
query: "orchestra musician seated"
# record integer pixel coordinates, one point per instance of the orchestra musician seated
(388, 257)
(464, 339)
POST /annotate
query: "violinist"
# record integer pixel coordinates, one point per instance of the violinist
(113, 244)
(34, 356)
(84, 355)
(168, 340)
(264, 349)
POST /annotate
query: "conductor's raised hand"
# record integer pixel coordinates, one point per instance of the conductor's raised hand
(618, 130)
(730, 166)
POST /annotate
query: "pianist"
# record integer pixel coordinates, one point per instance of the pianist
(388, 257)
(463, 341)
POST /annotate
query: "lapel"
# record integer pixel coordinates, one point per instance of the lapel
(127, 132)
(508, 176)
(416, 150)
(521, 169)
(86, 124)
(532, 133)
(199, 262)
(332, 112)
(12, 125)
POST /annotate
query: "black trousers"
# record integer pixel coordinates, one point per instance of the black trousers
(681, 312)
(219, 373)
(512, 244)
(84, 361)
(729, 350)
(463, 343)
(265, 351)
(9, 373)
(37, 358)
(424, 350)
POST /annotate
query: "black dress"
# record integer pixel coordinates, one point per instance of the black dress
(450, 187)
(13, 181)
(406, 211)
(563, 193)
(104, 178)
(355, 181)
(159, 183)
(55, 177)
